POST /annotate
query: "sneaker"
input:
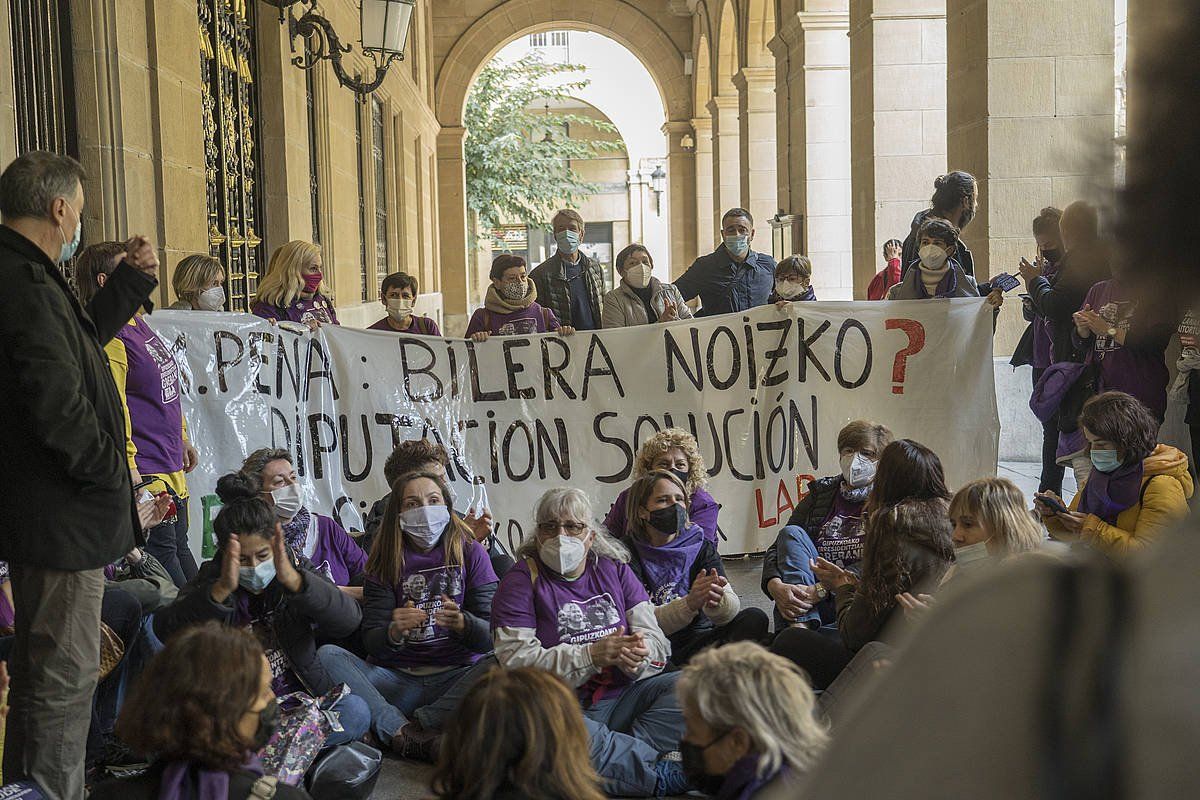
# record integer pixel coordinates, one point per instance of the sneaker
(671, 780)
(414, 742)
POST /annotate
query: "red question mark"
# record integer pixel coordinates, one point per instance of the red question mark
(916, 341)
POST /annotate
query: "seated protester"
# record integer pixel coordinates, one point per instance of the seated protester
(526, 739)
(204, 707)
(510, 306)
(907, 549)
(121, 614)
(199, 283)
(676, 451)
(751, 722)
(422, 455)
(693, 602)
(320, 539)
(793, 281)
(1137, 488)
(572, 606)
(398, 293)
(939, 274)
(427, 602)
(141, 575)
(258, 583)
(292, 289)
(832, 510)
(641, 298)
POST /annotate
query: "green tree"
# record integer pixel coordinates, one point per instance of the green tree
(514, 171)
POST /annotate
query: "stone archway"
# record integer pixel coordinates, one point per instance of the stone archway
(624, 22)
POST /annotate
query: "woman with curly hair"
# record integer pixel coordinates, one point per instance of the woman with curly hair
(527, 741)
(908, 546)
(676, 451)
(221, 712)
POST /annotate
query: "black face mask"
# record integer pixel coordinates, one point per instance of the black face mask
(682, 474)
(268, 721)
(694, 769)
(669, 520)
(1052, 255)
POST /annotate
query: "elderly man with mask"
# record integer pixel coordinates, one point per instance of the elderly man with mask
(570, 283)
(67, 509)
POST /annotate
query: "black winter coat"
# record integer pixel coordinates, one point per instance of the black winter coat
(319, 609)
(1060, 296)
(808, 514)
(67, 502)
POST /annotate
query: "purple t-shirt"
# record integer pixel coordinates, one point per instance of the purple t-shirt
(336, 556)
(1141, 373)
(841, 536)
(301, 310)
(594, 605)
(152, 394)
(702, 511)
(534, 319)
(420, 326)
(425, 579)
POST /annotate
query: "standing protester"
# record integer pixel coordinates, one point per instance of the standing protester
(955, 200)
(733, 277)
(938, 273)
(292, 289)
(793, 281)
(570, 283)
(641, 298)
(398, 293)
(1187, 382)
(510, 307)
(1036, 347)
(199, 283)
(156, 440)
(67, 509)
(889, 276)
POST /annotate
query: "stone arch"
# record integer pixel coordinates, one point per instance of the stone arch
(758, 31)
(623, 22)
(728, 59)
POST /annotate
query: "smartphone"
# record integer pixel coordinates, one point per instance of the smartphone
(1005, 282)
(1053, 504)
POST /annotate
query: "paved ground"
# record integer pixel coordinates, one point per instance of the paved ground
(405, 780)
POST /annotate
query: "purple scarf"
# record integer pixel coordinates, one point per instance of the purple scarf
(213, 784)
(295, 532)
(666, 568)
(1107, 494)
(742, 780)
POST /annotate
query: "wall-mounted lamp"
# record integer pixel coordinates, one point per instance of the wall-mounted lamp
(658, 185)
(384, 27)
(687, 142)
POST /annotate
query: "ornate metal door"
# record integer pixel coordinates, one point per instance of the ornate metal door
(230, 103)
(43, 81)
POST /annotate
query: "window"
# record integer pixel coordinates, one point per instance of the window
(379, 165)
(43, 78)
(537, 39)
(314, 180)
(362, 204)
(558, 38)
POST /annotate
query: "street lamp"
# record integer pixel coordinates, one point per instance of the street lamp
(384, 26)
(658, 185)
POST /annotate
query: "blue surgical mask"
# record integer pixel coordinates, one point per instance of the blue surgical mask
(70, 248)
(256, 579)
(568, 241)
(738, 244)
(1105, 460)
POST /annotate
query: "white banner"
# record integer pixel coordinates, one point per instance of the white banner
(765, 393)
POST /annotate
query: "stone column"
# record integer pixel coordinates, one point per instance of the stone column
(705, 239)
(680, 200)
(727, 186)
(817, 52)
(756, 121)
(457, 277)
(1030, 114)
(897, 120)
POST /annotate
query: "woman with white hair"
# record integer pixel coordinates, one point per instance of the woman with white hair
(614, 660)
(750, 721)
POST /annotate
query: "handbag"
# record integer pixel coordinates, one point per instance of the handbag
(1062, 391)
(305, 723)
(347, 772)
(112, 650)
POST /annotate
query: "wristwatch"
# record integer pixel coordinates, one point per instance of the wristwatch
(821, 591)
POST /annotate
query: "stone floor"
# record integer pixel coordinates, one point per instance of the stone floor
(406, 780)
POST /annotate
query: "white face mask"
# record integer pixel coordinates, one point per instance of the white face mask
(638, 276)
(211, 299)
(789, 289)
(858, 470)
(563, 554)
(933, 257)
(425, 524)
(399, 309)
(288, 501)
(970, 553)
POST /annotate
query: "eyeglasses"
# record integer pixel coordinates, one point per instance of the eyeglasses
(572, 528)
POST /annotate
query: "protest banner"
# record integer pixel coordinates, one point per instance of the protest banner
(765, 393)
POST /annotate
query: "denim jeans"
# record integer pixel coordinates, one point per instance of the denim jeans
(796, 550)
(629, 732)
(355, 718)
(168, 543)
(393, 696)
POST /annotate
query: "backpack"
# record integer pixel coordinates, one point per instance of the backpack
(878, 288)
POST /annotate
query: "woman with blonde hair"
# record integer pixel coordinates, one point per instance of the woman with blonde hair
(991, 520)
(293, 288)
(676, 451)
(750, 722)
(526, 739)
(199, 281)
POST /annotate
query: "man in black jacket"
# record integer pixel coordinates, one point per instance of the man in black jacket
(67, 507)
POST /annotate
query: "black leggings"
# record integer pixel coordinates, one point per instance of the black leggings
(750, 625)
(821, 654)
(1052, 473)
